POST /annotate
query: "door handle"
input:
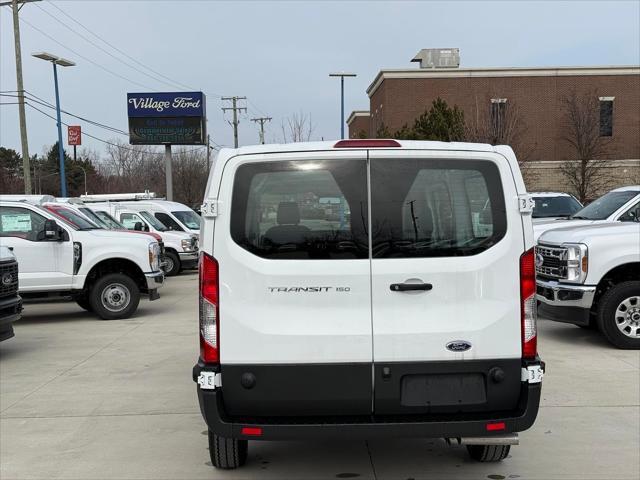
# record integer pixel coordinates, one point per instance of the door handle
(410, 287)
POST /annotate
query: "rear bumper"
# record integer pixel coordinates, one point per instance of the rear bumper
(565, 303)
(451, 425)
(189, 259)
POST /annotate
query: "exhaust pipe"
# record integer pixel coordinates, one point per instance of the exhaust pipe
(511, 439)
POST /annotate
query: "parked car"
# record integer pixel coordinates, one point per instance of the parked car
(104, 271)
(181, 248)
(615, 206)
(553, 205)
(353, 290)
(590, 276)
(175, 216)
(70, 208)
(10, 301)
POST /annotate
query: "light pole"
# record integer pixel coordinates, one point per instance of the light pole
(342, 75)
(63, 63)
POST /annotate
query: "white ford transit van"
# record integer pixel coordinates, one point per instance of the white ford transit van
(367, 288)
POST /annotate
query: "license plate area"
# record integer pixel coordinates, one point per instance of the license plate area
(443, 390)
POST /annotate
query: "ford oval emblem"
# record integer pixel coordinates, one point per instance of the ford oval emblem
(539, 260)
(7, 279)
(458, 346)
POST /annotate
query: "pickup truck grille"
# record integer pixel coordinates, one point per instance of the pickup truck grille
(551, 262)
(8, 279)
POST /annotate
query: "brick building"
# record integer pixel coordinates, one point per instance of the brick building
(398, 97)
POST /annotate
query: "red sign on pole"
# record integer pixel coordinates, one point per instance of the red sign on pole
(74, 135)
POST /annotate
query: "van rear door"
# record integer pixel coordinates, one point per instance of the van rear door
(446, 243)
(291, 241)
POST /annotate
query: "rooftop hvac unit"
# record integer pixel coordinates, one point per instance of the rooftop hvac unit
(438, 58)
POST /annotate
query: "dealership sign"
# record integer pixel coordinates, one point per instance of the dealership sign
(167, 118)
(74, 135)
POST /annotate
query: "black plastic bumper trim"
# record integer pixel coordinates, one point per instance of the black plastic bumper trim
(574, 315)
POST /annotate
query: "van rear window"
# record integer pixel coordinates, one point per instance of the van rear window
(435, 208)
(301, 209)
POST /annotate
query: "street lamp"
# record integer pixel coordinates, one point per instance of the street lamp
(63, 63)
(342, 75)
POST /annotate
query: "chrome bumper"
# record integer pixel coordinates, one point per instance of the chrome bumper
(186, 256)
(154, 280)
(553, 293)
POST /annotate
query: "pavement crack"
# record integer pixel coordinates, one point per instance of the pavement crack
(373, 467)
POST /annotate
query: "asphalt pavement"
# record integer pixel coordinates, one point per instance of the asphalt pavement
(82, 398)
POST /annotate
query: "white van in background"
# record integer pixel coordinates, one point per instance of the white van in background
(367, 289)
(181, 248)
(175, 216)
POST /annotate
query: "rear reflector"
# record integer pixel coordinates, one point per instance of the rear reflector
(251, 431)
(528, 306)
(495, 427)
(367, 143)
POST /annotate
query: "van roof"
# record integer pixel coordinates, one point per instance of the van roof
(330, 145)
(628, 188)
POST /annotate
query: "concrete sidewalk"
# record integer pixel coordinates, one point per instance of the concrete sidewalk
(82, 398)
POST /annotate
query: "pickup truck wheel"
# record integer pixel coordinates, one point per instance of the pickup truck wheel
(619, 315)
(83, 302)
(114, 296)
(488, 453)
(227, 453)
(172, 264)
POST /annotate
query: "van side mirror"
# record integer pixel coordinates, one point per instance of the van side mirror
(631, 216)
(52, 232)
(138, 227)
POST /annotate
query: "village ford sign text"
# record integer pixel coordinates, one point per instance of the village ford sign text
(167, 118)
(180, 104)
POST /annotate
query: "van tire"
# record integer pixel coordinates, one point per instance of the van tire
(227, 453)
(83, 302)
(123, 284)
(172, 266)
(609, 304)
(488, 453)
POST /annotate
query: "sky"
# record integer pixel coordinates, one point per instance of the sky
(279, 54)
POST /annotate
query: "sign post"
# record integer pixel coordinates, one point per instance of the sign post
(74, 137)
(169, 118)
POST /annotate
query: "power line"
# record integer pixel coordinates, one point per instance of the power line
(182, 85)
(85, 58)
(105, 50)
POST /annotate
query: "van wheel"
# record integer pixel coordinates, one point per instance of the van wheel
(488, 453)
(619, 315)
(83, 302)
(171, 264)
(114, 296)
(227, 453)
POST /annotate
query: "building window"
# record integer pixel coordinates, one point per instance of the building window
(606, 116)
(498, 114)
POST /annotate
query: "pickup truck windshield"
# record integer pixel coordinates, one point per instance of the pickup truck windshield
(87, 212)
(110, 221)
(604, 206)
(153, 221)
(188, 218)
(546, 207)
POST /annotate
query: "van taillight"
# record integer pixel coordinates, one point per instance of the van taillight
(209, 309)
(528, 307)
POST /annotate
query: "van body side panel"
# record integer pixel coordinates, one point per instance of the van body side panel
(294, 284)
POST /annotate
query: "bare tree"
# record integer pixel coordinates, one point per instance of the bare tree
(502, 124)
(297, 128)
(190, 172)
(588, 174)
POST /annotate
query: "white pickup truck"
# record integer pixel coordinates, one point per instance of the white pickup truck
(104, 271)
(590, 276)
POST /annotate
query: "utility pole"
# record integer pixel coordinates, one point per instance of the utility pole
(261, 121)
(342, 75)
(16, 5)
(168, 172)
(236, 109)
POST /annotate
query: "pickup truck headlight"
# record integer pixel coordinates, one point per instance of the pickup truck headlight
(154, 256)
(187, 245)
(577, 262)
